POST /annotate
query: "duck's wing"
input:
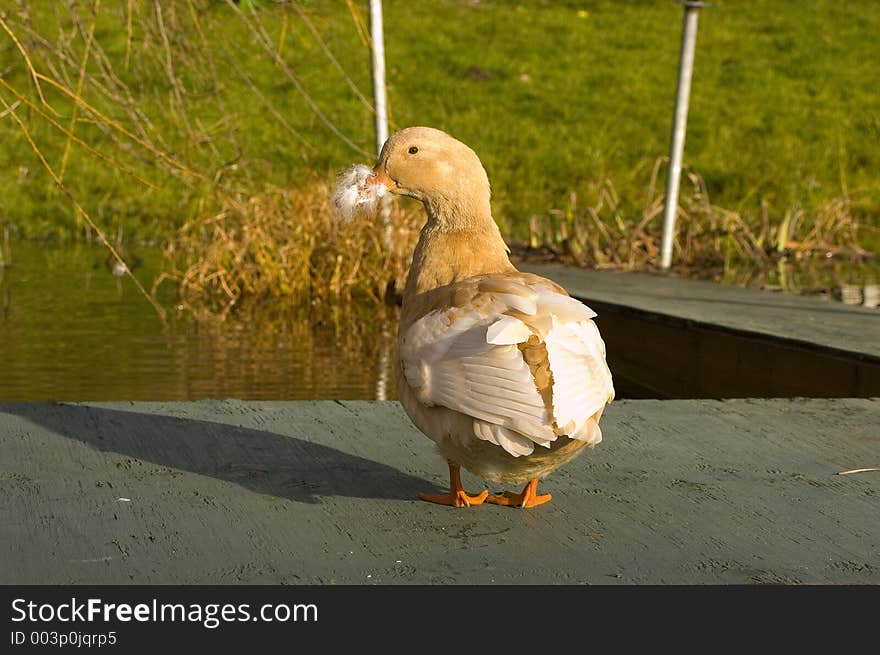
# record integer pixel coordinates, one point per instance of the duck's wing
(582, 384)
(470, 358)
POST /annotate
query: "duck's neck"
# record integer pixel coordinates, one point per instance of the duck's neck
(455, 245)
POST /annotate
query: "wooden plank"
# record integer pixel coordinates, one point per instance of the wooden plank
(801, 320)
(669, 337)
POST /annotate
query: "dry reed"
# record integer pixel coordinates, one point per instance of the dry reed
(607, 235)
(285, 246)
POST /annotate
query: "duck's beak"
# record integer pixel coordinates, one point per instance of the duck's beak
(380, 176)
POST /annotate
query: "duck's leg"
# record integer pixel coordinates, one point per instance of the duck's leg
(456, 496)
(528, 498)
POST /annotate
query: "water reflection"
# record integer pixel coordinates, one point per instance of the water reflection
(71, 330)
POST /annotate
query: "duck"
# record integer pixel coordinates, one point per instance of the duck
(502, 369)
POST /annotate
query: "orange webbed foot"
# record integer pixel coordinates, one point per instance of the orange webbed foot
(528, 498)
(457, 496)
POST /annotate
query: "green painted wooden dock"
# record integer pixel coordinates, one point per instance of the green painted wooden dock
(670, 337)
(679, 492)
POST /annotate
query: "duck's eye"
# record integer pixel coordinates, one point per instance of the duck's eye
(413, 150)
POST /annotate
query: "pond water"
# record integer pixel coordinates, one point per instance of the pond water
(72, 330)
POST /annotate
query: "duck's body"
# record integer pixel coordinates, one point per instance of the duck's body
(454, 305)
(501, 369)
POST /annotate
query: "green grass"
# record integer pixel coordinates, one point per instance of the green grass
(784, 108)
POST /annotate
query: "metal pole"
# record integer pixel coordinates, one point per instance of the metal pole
(679, 126)
(380, 99)
(380, 102)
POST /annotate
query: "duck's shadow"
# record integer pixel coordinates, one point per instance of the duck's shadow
(264, 462)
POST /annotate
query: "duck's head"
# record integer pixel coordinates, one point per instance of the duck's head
(440, 171)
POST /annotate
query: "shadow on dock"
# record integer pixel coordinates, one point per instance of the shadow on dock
(263, 462)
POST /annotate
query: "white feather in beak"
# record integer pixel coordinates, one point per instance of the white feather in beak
(352, 196)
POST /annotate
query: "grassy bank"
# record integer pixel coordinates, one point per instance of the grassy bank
(190, 104)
